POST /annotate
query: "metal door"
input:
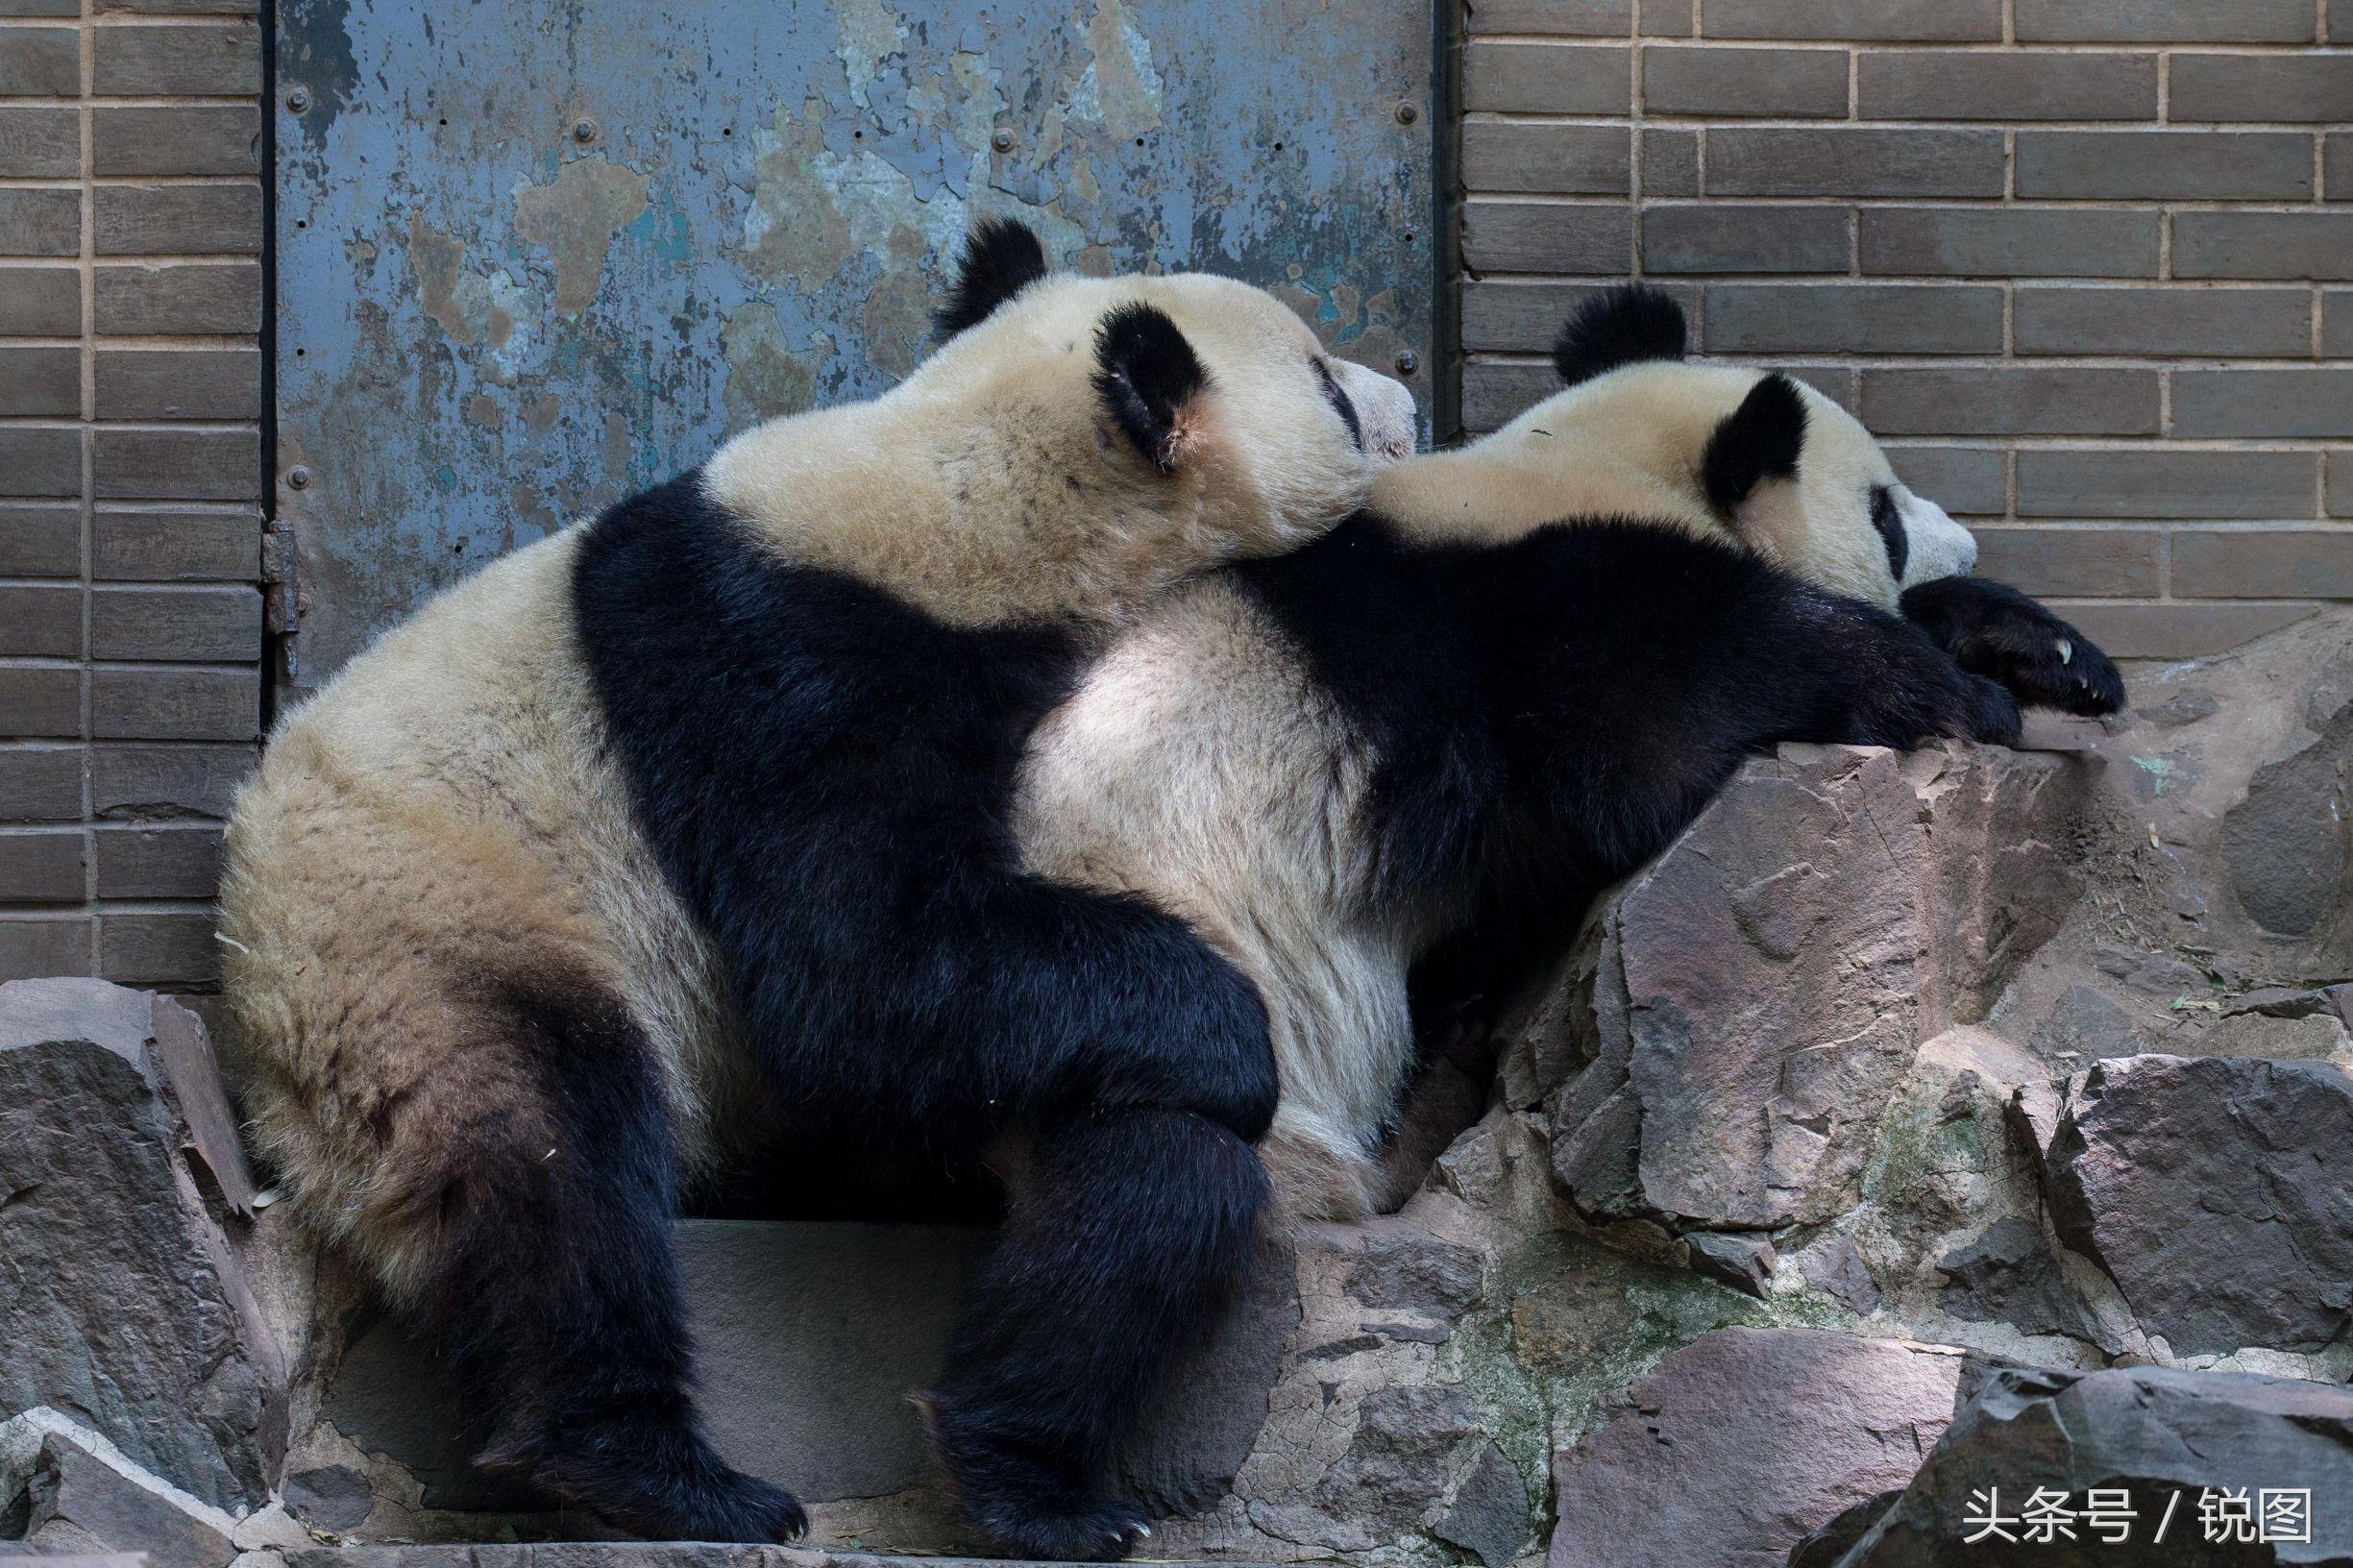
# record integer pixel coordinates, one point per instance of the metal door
(531, 257)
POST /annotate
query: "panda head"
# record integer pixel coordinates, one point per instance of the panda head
(1754, 455)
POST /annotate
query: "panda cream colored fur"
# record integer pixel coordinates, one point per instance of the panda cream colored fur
(1509, 682)
(684, 831)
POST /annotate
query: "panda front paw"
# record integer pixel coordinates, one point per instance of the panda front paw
(1990, 711)
(1991, 630)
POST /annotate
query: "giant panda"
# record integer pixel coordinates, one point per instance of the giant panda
(1431, 735)
(689, 823)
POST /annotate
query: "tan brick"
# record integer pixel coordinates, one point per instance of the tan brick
(160, 220)
(177, 546)
(41, 623)
(1796, 161)
(180, 139)
(2007, 400)
(1493, 391)
(40, 382)
(1883, 318)
(141, 61)
(2008, 241)
(40, 143)
(2178, 631)
(2263, 403)
(40, 302)
(2264, 563)
(1670, 162)
(2309, 245)
(1589, 18)
(1561, 160)
(2091, 563)
(40, 63)
(40, 540)
(1710, 238)
(133, 782)
(2152, 482)
(35, 948)
(1795, 84)
(40, 783)
(2261, 87)
(177, 465)
(1547, 78)
(2218, 322)
(39, 462)
(2165, 21)
(157, 949)
(1920, 21)
(174, 861)
(203, 297)
(37, 703)
(210, 625)
(2157, 165)
(179, 383)
(2011, 84)
(1547, 236)
(43, 866)
(41, 222)
(1968, 481)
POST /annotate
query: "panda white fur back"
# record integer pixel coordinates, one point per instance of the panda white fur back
(688, 822)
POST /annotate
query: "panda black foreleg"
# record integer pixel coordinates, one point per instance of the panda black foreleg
(1134, 1227)
(1991, 630)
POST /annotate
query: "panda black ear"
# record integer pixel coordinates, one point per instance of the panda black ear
(1001, 258)
(1148, 378)
(1620, 325)
(1758, 441)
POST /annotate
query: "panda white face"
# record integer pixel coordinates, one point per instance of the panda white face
(1855, 527)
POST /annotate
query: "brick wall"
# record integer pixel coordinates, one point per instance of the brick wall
(2085, 265)
(131, 308)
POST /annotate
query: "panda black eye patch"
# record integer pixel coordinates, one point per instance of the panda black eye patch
(1337, 396)
(1889, 521)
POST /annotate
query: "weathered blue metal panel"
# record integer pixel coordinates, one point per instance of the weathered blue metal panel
(531, 257)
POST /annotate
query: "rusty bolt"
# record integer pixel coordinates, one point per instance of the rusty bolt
(1407, 113)
(298, 100)
(583, 129)
(298, 478)
(1407, 362)
(1001, 138)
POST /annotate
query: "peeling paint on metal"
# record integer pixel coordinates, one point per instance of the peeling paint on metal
(490, 322)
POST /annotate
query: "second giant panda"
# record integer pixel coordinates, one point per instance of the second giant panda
(688, 824)
(1511, 680)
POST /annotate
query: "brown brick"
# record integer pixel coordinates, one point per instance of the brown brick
(1670, 162)
(202, 296)
(40, 382)
(139, 61)
(40, 63)
(1836, 383)
(179, 383)
(2165, 21)
(2338, 502)
(1775, 161)
(2158, 166)
(34, 950)
(2007, 401)
(43, 866)
(2261, 87)
(2178, 631)
(2264, 563)
(211, 626)
(2155, 483)
(176, 705)
(1547, 236)
(2092, 563)
(40, 143)
(41, 784)
(192, 139)
(159, 220)
(2340, 25)
(1493, 393)
(41, 222)
(38, 702)
(2220, 322)
(1968, 481)
(41, 623)
(2337, 323)
(2263, 403)
(177, 465)
(1883, 318)
(135, 782)
(176, 862)
(157, 949)
(2009, 241)
(40, 302)
(2336, 163)
(1564, 160)
(1709, 238)
(40, 540)
(176, 545)
(2011, 84)
(1919, 22)
(2306, 245)
(36, 461)
(1795, 84)
(1589, 18)
(1547, 78)
(1524, 316)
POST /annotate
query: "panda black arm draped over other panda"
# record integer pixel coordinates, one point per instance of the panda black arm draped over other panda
(1991, 630)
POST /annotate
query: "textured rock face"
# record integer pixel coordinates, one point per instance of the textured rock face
(81, 1497)
(121, 1297)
